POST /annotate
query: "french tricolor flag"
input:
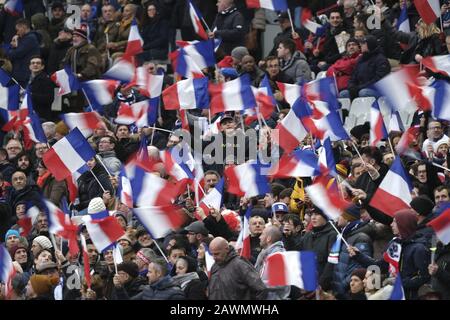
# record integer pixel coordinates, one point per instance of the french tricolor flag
(407, 138)
(66, 81)
(32, 129)
(323, 89)
(124, 191)
(175, 166)
(68, 155)
(394, 192)
(301, 163)
(9, 99)
(275, 5)
(195, 16)
(291, 130)
(123, 70)
(265, 102)
(214, 198)
(208, 259)
(312, 26)
(429, 10)
(103, 232)
(184, 65)
(439, 93)
(7, 271)
(142, 114)
(99, 92)
(160, 220)
(201, 53)
(187, 94)
(151, 83)
(327, 200)
(14, 7)
(326, 156)
(243, 241)
(377, 129)
(292, 268)
(27, 222)
(438, 64)
(233, 95)
(290, 92)
(395, 122)
(403, 21)
(86, 122)
(135, 42)
(247, 180)
(72, 185)
(397, 292)
(441, 226)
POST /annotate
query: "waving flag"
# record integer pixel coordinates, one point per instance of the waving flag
(291, 130)
(194, 57)
(333, 256)
(66, 80)
(7, 271)
(439, 94)
(232, 95)
(397, 292)
(300, 163)
(175, 166)
(151, 83)
(323, 89)
(208, 259)
(142, 114)
(292, 268)
(123, 70)
(86, 122)
(135, 42)
(27, 222)
(274, 5)
(160, 220)
(438, 64)
(68, 155)
(394, 192)
(247, 180)
(103, 232)
(327, 200)
(290, 92)
(184, 65)
(99, 92)
(243, 242)
(326, 157)
(196, 17)
(377, 129)
(214, 198)
(9, 100)
(395, 122)
(14, 7)
(312, 26)
(403, 21)
(32, 129)
(441, 226)
(429, 10)
(265, 102)
(187, 94)
(407, 139)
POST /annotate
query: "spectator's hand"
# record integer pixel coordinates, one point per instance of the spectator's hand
(352, 251)
(211, 35)
(59, 256)
(295, 35)
(90, 294)
(444, 8)
(278, 96)
(106, 197)
(201, 213)
(359, 194)
(321, 63)
(262, 64)
(372, 171)
(160, 121)
(15, 41)
(216, 214)
(111, 45)
(114, 181)
(17, 267)
(418, 58)
(432, 269)
(430, 150)
(116, 281)
(274, 221)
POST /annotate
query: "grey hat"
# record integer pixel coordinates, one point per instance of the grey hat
(197, 227)
(46, 266)
(239, 52)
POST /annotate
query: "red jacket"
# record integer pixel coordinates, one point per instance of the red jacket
(343, 69)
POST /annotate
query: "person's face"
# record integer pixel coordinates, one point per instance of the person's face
(85, 12)
(447, 43)
(36, 65)
(57, 13)
(335, 19)
(422, 173)
(356, 23)
(19, 180)
(395, 141)
(41, 148)
(359, 34)
(21, 255)
(435, 130)
(273, 68)
(124, 243)
(181, 267)
(248, 64)
(12, 241)
(123, 132)
(92, 254)
(341, 222)
(219, 254)
(210, 181)
(263, 239)
(282, 52)
(443, 149)
(21, 30)
(153, 274)
(108, 256)
(388, 159)
(364, 47)
(151, 11)
(201, 252)
(358, 171)
(23, 163)
(13, 148)
(123, 276)
(379, 3)
(173, 141)
(41, 170)
(108, 13)
(257, 225)
(35, 248)
(20, 211)
(356, 284)
(175, 254)
(42, 223)
(441, 196)
(317, 220)
(289, 228)
(145, 240)
(394, 228)
(228, 126)
(223, 5)
(29, 290)
(352, 48)
(191, 236)
(43, 257)
(77, 40)
(91, 163)
(127, 13)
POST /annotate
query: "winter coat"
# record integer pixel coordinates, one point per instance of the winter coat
(255, 248)
(20, 57)
(292, 243)
(7, 169)
(192, 286)
(42, 95)
(84, 59)
(111, 29)
(30, 193)
(425, 232)
(343, 69)
(274, 293)
(371, 67)
(130, 289)
(126, 147)
(231, 28)
(235, 279)
(88, 187)
(54, 190)
(320, 241)
(58, 51)
(155, 35)
(342, 271)
(286, 34)
(122, 36)
(218, 229)
(297, 68)
(163, 289)
(40, 25)
(55, 26)
(441, 280)
(111, 162)
(330, 51)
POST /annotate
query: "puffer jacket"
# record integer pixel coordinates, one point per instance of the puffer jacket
(343, 69)
(235, 279)
(354, 234)
(163, 289)
(130, 289)
(297, 67)
(88, 187)
(84, 59)
(231, 28)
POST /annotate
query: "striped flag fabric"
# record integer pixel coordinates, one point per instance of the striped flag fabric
(187, 94)
(403, 21)
(14, 7)
(196, 17)
(438, 64)
(7, 271)
(397, 292)
(441, 225)
(274, 5)
(247, 180)
(86, 122)
(99, 92)
(243, 241)
(300, 163)
(160, 220)
(429, 10)
(135, 42)
(87, 271)
(214, 198)
(378, 131)
(103, 232)
(66, 80)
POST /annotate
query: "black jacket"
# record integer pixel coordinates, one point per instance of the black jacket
(155, 34)
(42, 96)
(441, 280)
(164, 289)
(231, 28)
(30, 193)
(130, 289)
(58, 51)
(88, 187)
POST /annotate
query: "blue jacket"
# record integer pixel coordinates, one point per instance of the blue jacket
(164, 289)
(29, 45)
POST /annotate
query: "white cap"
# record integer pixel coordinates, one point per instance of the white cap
(96, 205)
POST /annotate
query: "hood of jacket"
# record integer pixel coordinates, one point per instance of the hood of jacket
(183, 280)
(296, 56)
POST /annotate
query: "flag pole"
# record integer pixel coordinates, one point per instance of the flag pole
(290, 19)
(153, 134)
(339, 233)
(98, 181)
(52, 238)
(433, 248)
(390, 145)
(359, 155)
(97, 157)
(160, 250)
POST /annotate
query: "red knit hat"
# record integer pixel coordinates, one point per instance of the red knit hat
(406, 220)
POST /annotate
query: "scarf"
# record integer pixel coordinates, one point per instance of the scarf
(333, 256)
(392, 256)
(41, 179)
(183, 280)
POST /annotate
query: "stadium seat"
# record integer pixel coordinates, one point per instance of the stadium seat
(345, 103)
(361, 106)
(321, 74)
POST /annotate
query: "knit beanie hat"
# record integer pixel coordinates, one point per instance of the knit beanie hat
(44, 242)
(352, 213)
(97, 208)
(13, 250)
(61, 128)
(81, 33)
(43, 284)
(12, 232)
(129, 267)
(423, 205)
(239, 52)
(146, 254)
(406, 220)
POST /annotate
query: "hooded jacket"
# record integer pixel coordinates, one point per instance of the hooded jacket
(343, 69)
(231, 28)
(297, 67)
(88, 187)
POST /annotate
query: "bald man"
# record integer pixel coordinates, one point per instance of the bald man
(233, 277)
